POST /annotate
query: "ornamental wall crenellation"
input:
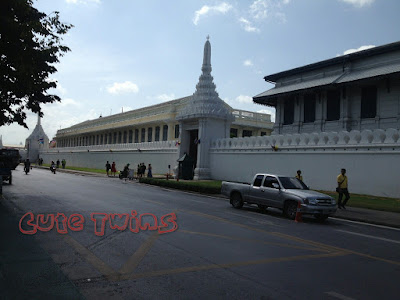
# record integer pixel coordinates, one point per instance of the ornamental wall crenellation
(354, 139)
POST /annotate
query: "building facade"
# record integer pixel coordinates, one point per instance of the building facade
(357, 91)
(152, 124)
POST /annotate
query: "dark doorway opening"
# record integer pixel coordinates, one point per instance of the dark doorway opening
(193, 145)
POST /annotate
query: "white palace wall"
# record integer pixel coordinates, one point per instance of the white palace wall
(372, 159)
(158, 154)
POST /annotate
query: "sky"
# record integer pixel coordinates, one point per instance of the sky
(128, 54)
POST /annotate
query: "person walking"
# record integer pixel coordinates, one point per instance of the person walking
(342, 188)
(143, 169)
(298, 176)
(63, 163)
(27, 166)
(108, 168)
(113, 168)
(149, 172)
(58, 163)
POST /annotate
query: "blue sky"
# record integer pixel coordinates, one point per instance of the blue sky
(130, 54)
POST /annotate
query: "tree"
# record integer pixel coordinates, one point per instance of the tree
(30, 45)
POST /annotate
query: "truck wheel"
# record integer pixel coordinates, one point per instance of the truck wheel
(290, 209)
(321, 218)
(236, 200)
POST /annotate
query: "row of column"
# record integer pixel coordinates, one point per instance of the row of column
(135, 135)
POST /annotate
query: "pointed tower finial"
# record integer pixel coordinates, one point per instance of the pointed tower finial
(208, 37)
(38, 118)
(206, 68)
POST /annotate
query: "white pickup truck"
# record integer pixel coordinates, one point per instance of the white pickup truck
(283, 192)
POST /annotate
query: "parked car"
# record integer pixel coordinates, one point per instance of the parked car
(283, 192)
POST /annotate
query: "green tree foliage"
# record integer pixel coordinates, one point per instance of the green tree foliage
(30, 45)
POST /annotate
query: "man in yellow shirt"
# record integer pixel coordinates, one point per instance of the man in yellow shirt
(298, 176)
(342, 188)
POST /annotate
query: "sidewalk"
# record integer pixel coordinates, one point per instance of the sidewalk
(351, 213)
(377, 217)
(26, 270)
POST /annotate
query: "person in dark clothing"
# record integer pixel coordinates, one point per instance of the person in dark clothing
(108, 167)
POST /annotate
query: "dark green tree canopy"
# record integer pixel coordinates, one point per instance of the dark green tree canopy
(30, 45)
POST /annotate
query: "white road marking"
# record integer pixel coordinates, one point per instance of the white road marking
(339, 296)
(364, 223)
(370, 236)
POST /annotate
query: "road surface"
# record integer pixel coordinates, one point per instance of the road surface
(212, 249)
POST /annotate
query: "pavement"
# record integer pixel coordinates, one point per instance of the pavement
(371, 216)
(26, 270)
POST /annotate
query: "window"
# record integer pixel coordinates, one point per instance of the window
(263, 133)
(149, 134)
(165, 133)
(247, 133)
(333, 105)
(115, 137)
(143, 135)
(101, 139)
(177, 131)
(268, 182)
(136, 135)
(119, 137)
(292, 183)
(309, 108)
(258, 180)
(130, 136)
(368, 102)
(288, 111)
(157, 136)
(234, 132)
(125, 137)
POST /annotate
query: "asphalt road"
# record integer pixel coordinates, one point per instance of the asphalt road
(214, 252)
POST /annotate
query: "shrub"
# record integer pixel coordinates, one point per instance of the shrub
(201, 187)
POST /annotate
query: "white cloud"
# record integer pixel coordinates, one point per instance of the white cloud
(222, 8)
(262, 9)
(246, 24)
(244, 99)
(259, 9)
(123, 88)
(359, 3)
(358, 49)
(60, 89)
(165, 97)
(281, 17)
(247, 63)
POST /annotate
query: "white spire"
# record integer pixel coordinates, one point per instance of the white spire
(205, 102)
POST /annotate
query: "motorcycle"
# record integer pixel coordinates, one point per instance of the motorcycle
(123, 174)
(53, 169)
